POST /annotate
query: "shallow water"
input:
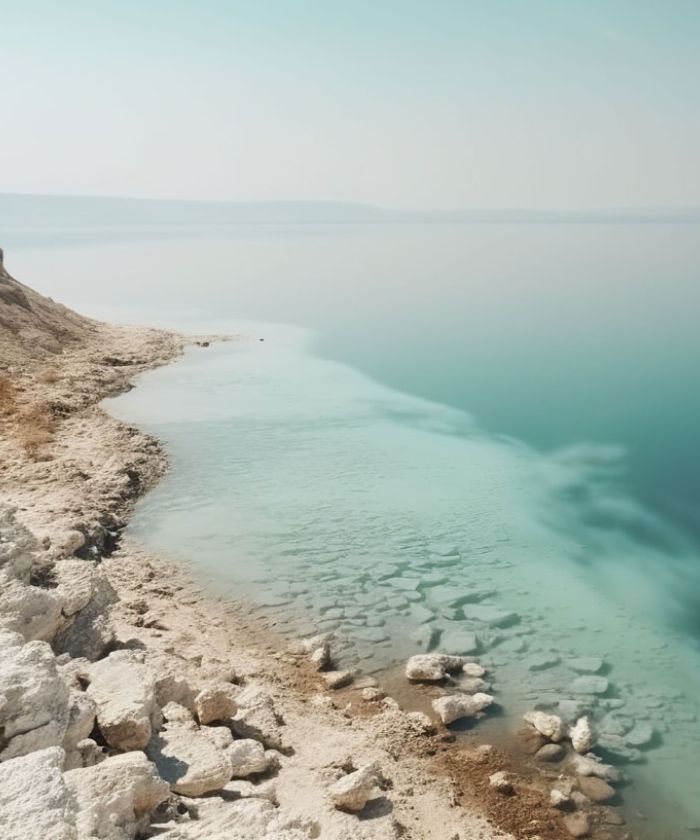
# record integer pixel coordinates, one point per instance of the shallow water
(334, 473)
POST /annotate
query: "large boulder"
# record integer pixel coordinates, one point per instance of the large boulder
(189, 761)
(453, 707)
(35, 714)
(35, 803)
(581, 734)
(115, 798)
(123, 689)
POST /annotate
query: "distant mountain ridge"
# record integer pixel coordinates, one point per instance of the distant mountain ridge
(25, 210)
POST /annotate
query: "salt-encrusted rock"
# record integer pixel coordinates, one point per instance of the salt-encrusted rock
(34, 801)
(371, 694)
(559, 799)
(641, 735)
(315, 648)
(243, 789)
(585, 664)
(123, 689)
(453, 707)
(189, 761)
(33, 612)
(16, 546)
(590, 685)
(581, 735)
(550, 753)
(257, 717)
(337, 679)
(35, 713)
(216, 702)
(473, 669)
(432, 667)
(577, 824)
(75, 584)
(351, 792)
(493, 616)
(459, 641)
(471, 685)
(247, 757)
(176, 714)
(81, 719)
(115, 798)
(87, 753)
(597, 790)
(501, 782)
(542, 661)
(591, 765)
(172, 685)
(219, 735)
(90, 632)
(551, 726)
(247, 819)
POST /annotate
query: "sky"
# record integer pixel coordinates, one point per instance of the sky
(402, 103)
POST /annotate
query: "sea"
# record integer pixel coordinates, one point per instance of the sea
(474, 437)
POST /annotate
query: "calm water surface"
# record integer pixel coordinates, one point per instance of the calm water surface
(462, 437)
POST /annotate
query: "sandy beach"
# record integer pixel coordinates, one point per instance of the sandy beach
(135, 704)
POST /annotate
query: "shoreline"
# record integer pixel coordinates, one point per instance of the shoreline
(73, 496)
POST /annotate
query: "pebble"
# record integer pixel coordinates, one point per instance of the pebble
(550, 753)
(501, 782)
(577, 825)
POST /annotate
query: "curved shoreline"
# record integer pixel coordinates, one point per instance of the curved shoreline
(76, 495)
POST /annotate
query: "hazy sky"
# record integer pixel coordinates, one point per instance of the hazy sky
(412, 103)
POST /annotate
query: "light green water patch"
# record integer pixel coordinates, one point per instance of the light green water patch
(399, 525)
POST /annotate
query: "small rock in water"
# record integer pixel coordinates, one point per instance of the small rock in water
(459, 641)
(432, 667)
(641, 735)
(581, 735)
(590, 685)
(493, 616)
(591, 765)
(585, 664)
(542, 661)
(550, 726)
(550, 753)
(597, 790)
(453, 707)
(473, 669)
(337, 679)
(559, 799)
(501, 782)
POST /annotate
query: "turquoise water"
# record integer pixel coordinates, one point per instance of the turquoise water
(450, 436)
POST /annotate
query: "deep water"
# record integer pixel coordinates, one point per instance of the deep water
(463, 437)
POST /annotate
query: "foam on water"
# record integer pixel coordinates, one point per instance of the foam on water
(397, 523)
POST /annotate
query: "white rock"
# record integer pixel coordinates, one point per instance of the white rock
(189, 761)
(33, 612)
(219, 735)
(473, 669)
(76, 580)
(123, 689)
(559, 799)
(81, 719)
(581, 735)
(257, 717)
(34, 801)
(247, 757)
(591, 765)
(501, 782)
(351, 792)
(453, 707)
(551, 726)
(216, 702)
(243, 789)
(432, 667)
(90, 631)
(114, 798)
(36, 705)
